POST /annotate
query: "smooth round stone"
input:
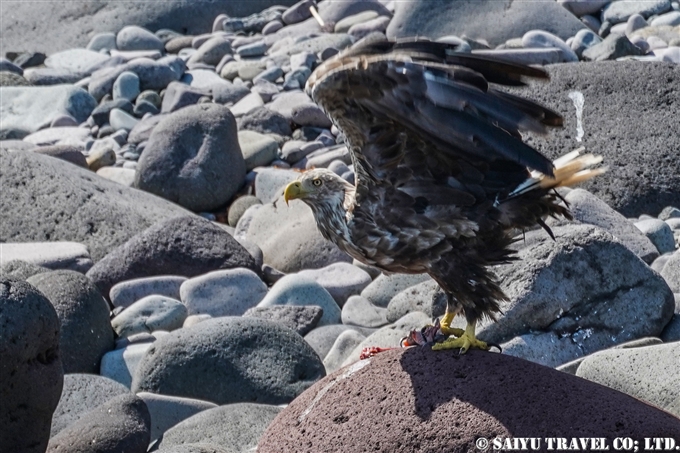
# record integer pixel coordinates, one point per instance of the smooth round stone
(239, 207)
(582, 7)
(120, 364)
(338, 167)
(192, 320)
(258, 149)
(659, 233)
(341, 280)
(583, 40)
(310, 115)
(149, 314)
(127, 292)
(640, 43)
(295, 289)
(167, 411)
(211, 51)
(346, 342)
(671, 54)
(385, 287)
(375, 27)
(122, 120)
(540, 38)
(255, 49)
(64, 121)
(298, 12)
(144, 107)
(133, 37)
(300, 318)
(247, 104)
(102, 41)
(102, 154)
(299, 75)
(635, 22)
(343, 25)
(462, 45)
(669, 212)
(358, 311)
(123, 176)
(150, 96)
(591, 22)
(126, 86)
(266, 90)
(656, 43)
(619, 11)
(223, 293)
(672, 19)
(272, 27)
(271, 74)
(229, 93)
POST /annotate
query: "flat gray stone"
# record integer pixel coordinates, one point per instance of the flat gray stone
(262, 362)
(358, 311)
(120, 364)
(127, 292)
(296, 289)
(133, 37)
(258, 149)
(614, 46)
(51, 255)
(149, 314)
(31, 375)
(659, 232)
(235, 427)
(385, 287)
(341, 280)
(167, 411)
(223, 293)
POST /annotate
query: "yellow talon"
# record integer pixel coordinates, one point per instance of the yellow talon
(466, 341)
(445, 325)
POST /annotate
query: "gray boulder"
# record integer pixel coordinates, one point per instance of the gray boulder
(86, 333)
(300, 318)
(193, 158)
(570, 297)
(646, 177)
(82, 393)
(228, 360)
(235, 427)
(492, 21)
(186, 246)
(73, 204)
(426, 297)
(671, 272)
(167, 411)
(648, 373)
(121, 424)
(27, 109)
(20, 269)
(31, 376)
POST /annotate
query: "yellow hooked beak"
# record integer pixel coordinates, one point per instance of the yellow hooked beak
(293, 190)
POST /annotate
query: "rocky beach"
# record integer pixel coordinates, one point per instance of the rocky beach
(158, 294)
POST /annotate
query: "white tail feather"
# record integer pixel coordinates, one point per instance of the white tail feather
(570, 169)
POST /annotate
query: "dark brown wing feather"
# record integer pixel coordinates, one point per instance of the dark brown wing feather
(435, 149)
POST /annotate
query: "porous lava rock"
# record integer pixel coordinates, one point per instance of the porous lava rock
(422, 400)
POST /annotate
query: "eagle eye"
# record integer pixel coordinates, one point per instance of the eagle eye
(316, 182)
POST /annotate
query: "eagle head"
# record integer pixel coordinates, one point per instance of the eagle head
(319, 186)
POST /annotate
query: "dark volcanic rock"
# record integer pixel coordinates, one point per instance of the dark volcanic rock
(440, 401)
(46, 199)
(86, 333)
(570, 297)
(301, 319)
(193, 158)
(629, 118)
(490, 20)
(82, 393)
(186, 246)
(229, 360)
(122, 424)
(31, 376)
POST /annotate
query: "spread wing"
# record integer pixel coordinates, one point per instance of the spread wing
(432, 140)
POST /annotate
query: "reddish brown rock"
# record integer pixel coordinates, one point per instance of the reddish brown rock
(421, 400)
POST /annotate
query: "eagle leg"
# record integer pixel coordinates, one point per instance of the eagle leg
(464, 342)
(445, 325)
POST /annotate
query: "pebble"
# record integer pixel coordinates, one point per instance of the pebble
(659, 232)
(272, 27)
(539, 38)
(126, 86)
(672, 18)
(298, 289)
(149, 314)
(582, 7)
(247, 104)
(300, 318)
(358, 311)
(266, 90)
(381, 290)
(223, 293)
(229, 93)
(128, 292)
(167, 411)
(255, 49)
(346, 342)
(310, 115)
(375, 27)
(298, 12)
(179, 95)
(102, 41)
(64, 121)
(257, 149)
(102, 154)
(132, 37)
(211, 51)
(120, 119)
(120, 364)
(341, 280)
